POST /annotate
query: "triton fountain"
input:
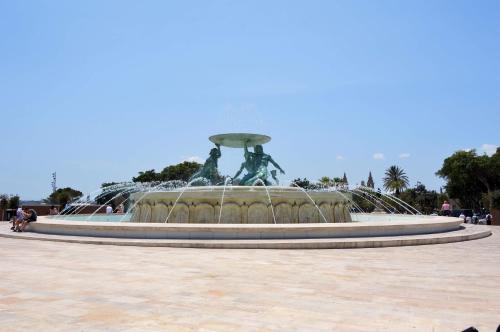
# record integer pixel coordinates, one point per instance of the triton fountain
(253, 199)
(249, 210)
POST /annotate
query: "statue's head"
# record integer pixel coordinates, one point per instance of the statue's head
(258, 149)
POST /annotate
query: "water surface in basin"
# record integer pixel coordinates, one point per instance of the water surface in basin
(96, 217)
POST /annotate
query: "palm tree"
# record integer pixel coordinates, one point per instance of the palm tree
(395, 179)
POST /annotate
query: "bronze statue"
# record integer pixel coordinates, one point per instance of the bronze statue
(256, 165)
(209, 169)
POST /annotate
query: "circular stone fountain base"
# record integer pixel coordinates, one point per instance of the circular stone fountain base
(422, 230)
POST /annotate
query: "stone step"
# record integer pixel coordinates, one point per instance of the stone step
(467, 232)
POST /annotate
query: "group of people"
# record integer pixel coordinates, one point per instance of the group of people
(483, 217)
(22, 219)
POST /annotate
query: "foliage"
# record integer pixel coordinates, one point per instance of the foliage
(147, 176)
(337, 180)
(303, 183)
(468, 176)
(62, 196)
(107, 196)
(4, 201)
(326, 181)
(182, 171)
(14, 202)
(395, 180)
(495, 197)
(426, 201)
(363, 201)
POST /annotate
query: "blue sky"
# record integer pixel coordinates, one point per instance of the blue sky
(98, 90)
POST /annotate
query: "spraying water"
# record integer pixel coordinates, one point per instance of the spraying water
(312, 200)
(222, 198)
(268, 196)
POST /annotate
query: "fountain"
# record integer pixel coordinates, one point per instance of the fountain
(253, 199)
(249, 210)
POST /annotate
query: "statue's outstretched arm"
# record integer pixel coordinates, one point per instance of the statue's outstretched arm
(218, 149)
(246, 150)
(276, 165)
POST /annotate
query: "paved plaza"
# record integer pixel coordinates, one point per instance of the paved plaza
(49, 286)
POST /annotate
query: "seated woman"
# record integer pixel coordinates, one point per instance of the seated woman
(31, 217)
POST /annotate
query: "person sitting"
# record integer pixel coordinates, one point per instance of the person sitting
(120, 209)
(53, 211)
(19, 219)
(31, 216)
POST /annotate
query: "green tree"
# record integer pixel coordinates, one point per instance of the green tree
(182, 171)
(303, 183)
(62, 196)
(337, 180)
(326, 181)
(426, 201)
(147, 176)
(14, 202)
(468, 176)
(106, 196)
(4, 203)
(364, 201)
(395, 180)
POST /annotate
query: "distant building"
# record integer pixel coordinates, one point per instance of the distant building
(370, 182)
(344, 180)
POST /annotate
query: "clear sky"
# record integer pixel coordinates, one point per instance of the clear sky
(99, 90)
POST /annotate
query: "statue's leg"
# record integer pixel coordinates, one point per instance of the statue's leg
(245, 179)
(259, 176)
(251, 181)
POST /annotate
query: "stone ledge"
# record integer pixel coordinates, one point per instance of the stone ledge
(467, 232)
(407, 226)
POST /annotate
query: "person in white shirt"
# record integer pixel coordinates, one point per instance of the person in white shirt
(109, 210)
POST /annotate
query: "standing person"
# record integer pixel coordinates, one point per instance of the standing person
(446, 209)
(53, 211)
(109, 210)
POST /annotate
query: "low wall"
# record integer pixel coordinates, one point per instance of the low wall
(423, 225)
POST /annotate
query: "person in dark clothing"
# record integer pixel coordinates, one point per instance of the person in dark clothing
(31, 217)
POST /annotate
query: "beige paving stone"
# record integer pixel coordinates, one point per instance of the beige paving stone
(54, 286)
